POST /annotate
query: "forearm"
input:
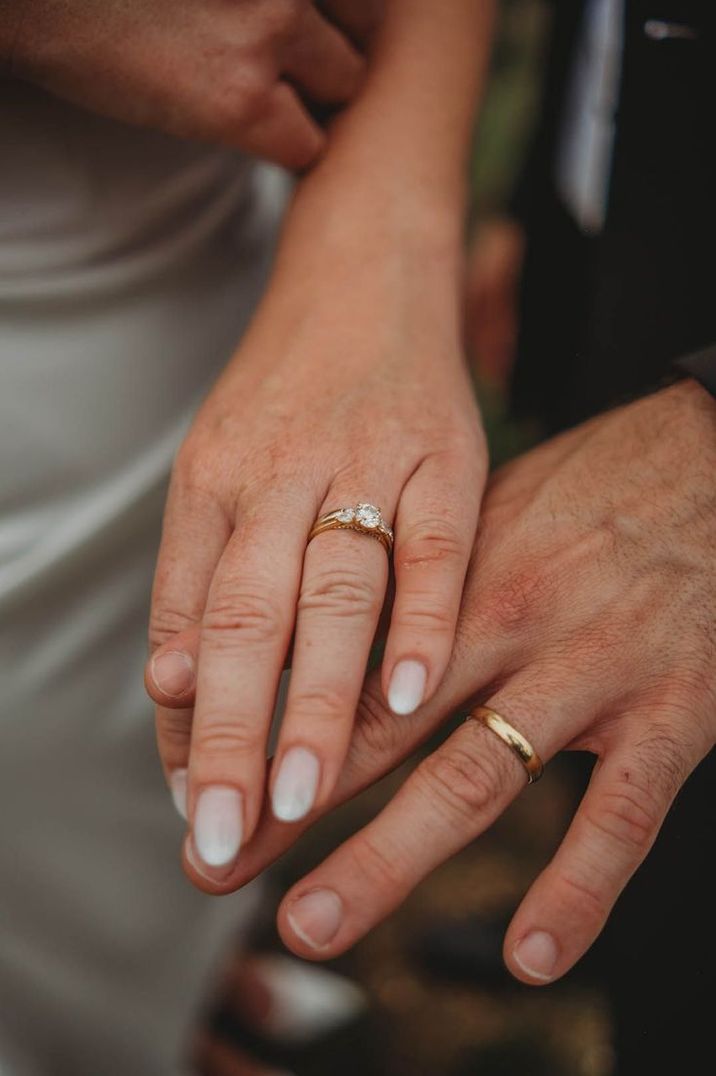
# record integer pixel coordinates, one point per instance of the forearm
(395, 165)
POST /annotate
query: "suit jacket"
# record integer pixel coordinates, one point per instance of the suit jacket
(605, 317)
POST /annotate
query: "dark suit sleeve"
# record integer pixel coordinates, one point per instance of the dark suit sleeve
(701, 365)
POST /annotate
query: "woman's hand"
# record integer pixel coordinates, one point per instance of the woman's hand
(235, 73)
(588, 623)
(349, 387)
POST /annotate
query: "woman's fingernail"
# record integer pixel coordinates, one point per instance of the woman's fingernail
(196, 862)
(177, 785)
(294, 791)
(537, 955)
(173, 672)
(316, 917)
(217, 825)
(407, 687)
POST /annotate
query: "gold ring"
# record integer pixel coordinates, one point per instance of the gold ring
(364, 518)
(514, 740)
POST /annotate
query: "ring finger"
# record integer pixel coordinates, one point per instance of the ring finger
(342, 592)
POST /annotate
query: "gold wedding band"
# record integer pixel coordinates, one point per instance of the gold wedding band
(514, 740)
(364, 518)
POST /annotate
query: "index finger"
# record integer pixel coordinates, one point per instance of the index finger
(245, 633)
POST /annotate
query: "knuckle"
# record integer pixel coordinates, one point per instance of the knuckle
(219, 737)
(593, 905)
(432, 616)
(378, 735)
(247, 100)
(378, 863)
(627, 817)
(664, 754)
(341, 592)
(432, 542)
(463, 785)
(192, 469)
(164, 623)
(323, 703)
(173, 731)
(240, 100)
(689, 694)
(240, 617)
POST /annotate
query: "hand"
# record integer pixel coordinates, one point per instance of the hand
(229, 73)
(350, 386)
(588, 623)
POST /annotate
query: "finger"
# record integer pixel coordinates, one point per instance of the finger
(194, 535)
(245, 634)
(435, 531)
(322, 62)
(358, 21)
(344, 581)
(452, 797)
(195, 531)
(281, 130)
(173, 728)
(631, 790)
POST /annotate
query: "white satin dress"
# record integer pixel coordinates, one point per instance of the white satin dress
(129, 266)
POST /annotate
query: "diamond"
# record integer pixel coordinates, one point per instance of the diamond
(368, 516)
(346, 515)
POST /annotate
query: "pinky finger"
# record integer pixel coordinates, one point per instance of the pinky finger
(173, 729)
(621, 813)
(435, 531)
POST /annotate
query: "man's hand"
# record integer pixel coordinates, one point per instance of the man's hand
(589, 623)
(233, 73)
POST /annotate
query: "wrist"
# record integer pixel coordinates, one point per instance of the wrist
(335, 226)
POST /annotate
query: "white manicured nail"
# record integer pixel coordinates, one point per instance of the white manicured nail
(537, 955)
(177, 785)
(407, 687)
(196, 862)
(218, 826)
(294, 792)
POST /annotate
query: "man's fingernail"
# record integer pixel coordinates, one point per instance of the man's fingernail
(294, 792)
(177, 785)
(316, 917)
(537, 955)
(217, 825)
(173, 672)
(407, 687)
